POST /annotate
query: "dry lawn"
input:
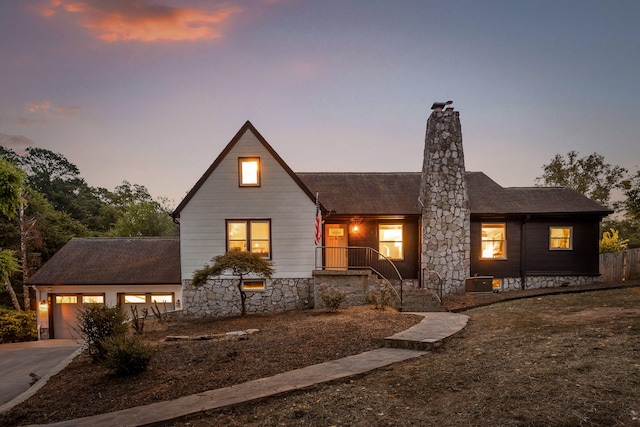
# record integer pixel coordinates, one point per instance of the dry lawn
(179, 368)
(561, 360)
(556, 360)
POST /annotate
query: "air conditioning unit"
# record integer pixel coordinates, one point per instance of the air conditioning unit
(478, 284)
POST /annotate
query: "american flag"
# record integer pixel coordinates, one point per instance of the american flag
(318, 228)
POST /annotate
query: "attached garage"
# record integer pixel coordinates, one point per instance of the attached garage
(141, 272)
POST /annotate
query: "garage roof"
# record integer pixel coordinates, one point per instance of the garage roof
(113, 261)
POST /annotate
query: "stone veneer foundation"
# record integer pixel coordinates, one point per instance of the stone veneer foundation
(446, 237)
(221, 297)
(538, 282)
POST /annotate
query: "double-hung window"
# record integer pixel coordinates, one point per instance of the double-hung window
(249, 235)
(494, 241)
(561, 238)
(390, 241)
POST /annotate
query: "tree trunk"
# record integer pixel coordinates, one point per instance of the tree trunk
(243, 297)
(14, 298)
(24, 230)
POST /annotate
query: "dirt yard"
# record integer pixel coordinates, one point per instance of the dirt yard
(562, 360)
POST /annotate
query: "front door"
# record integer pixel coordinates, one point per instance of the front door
(336, 241)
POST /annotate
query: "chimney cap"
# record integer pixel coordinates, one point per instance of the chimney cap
(438, 106)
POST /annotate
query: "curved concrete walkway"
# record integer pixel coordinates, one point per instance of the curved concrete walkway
(409, 344)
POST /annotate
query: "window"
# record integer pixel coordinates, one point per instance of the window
(249, 171)
(390, 240)
(561, 238)
(249, 236)
(66, 299)
(135, 299)
(93, 299)
(494, 241)
(253, 285)
(162, 299)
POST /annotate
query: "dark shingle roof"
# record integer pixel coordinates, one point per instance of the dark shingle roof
(366, 193)
(397, 194)
(113, 261)
(487, 197)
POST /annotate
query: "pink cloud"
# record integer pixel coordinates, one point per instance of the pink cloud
(141, 20)
(34, 107)
(47, 110)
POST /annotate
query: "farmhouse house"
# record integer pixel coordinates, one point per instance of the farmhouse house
(444, 230)
(415, 235)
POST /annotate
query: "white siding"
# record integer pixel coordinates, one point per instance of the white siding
(279, 198)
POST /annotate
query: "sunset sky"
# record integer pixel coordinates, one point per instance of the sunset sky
(150, 91)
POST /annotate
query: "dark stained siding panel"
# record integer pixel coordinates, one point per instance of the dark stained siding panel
(509, 267)
(582, 260)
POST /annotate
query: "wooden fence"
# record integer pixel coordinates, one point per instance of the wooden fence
(620, 266)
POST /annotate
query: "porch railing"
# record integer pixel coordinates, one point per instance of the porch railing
(359, 258)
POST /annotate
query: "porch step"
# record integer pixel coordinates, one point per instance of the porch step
(420, 300)
(429, 334)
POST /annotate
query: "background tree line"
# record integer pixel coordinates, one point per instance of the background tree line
(45, 202)
(595, 178)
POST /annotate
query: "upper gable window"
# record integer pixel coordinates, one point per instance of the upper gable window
(494, 241)
(249, 171)
(561, 238)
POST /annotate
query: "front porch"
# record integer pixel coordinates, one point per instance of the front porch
(365, 274)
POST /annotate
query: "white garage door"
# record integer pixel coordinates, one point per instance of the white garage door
(65, 310)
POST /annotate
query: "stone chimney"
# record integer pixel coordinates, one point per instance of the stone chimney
(445, 203)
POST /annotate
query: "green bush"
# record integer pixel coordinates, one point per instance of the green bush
(96, 322)
(126, 354)
(17, 326)
(332, 297)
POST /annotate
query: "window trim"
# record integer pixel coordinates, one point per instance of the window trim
(241, 161)
(248, 239)
(401, 225)
(504, 240)
(570, 228)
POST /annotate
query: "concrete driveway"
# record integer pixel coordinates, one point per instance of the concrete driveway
(22, 363)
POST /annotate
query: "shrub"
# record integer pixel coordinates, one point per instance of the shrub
(379, 299)
(126, 355)
(332, 297)
(611, 242)
(17, 326)
(96, 322)
(137, 322)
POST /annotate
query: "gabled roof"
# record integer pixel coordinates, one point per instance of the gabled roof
(113, 261)
(397, 194)
(247, 127)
